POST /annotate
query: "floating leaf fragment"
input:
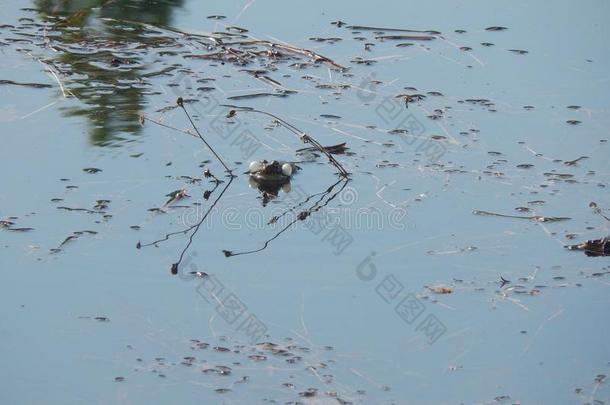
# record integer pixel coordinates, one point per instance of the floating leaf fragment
(175, 196)
(440, 289)
(91, 170)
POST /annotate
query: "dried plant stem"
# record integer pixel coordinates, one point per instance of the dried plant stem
(180, 103)
(145, 118)
(317, 206)
(302, 136)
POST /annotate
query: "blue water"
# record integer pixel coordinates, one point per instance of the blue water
(332, 288)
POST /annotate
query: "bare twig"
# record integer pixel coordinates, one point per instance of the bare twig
(196, 227)
(180, 103)
(144, 118)
(301, 216)
(302, 136)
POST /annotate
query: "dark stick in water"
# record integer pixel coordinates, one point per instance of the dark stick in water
(294, 207)
(319, 204)
(196, 227)
(302, 136)
(316, 57)
(181, 232)
(598, 210)
(366, 28)
(537, 218)
(144, 118)
(180, 102)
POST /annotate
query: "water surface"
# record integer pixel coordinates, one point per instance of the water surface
(390, 289)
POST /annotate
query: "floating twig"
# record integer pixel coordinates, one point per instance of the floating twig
(144, 118)
(139, 245)
(276, 218)
(537, 218)
(196, 227)
(75, 235)
(367, 28)
(598, 210)
(302, 135)
(301, 216)
(503, 281)
(226, 49)
(180, 103)
(338, 149)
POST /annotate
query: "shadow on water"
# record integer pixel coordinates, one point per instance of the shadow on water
(102, 59)
(324, 198)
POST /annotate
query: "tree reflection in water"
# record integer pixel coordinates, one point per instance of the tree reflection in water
(102, 55)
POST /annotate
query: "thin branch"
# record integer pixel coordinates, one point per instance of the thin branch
(180, 103)
(176, 265)
(302, 136)
(317, 206)
(167, 236)
(144, 118)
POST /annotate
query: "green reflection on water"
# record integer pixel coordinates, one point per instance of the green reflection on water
(105, 58)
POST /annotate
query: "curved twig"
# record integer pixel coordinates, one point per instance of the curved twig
(302, 135)
(319, 204)
(180, 103)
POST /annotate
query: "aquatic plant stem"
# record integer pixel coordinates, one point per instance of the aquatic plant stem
(180, 103)
(302, 136)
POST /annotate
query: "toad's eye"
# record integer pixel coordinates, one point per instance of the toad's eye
(287, 169)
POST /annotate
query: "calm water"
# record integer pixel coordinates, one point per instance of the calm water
(383, 289)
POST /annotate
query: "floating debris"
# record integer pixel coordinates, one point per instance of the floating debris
(75, 235)
(573, 162)
(8, 225)
(176, 196)
(88, 211)
(324, 198)
(537, 218)
(405, 37)
(367, 28)
(440, 289)
(338, 149)
(257, 95)
(92, 170)
(34, 85)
